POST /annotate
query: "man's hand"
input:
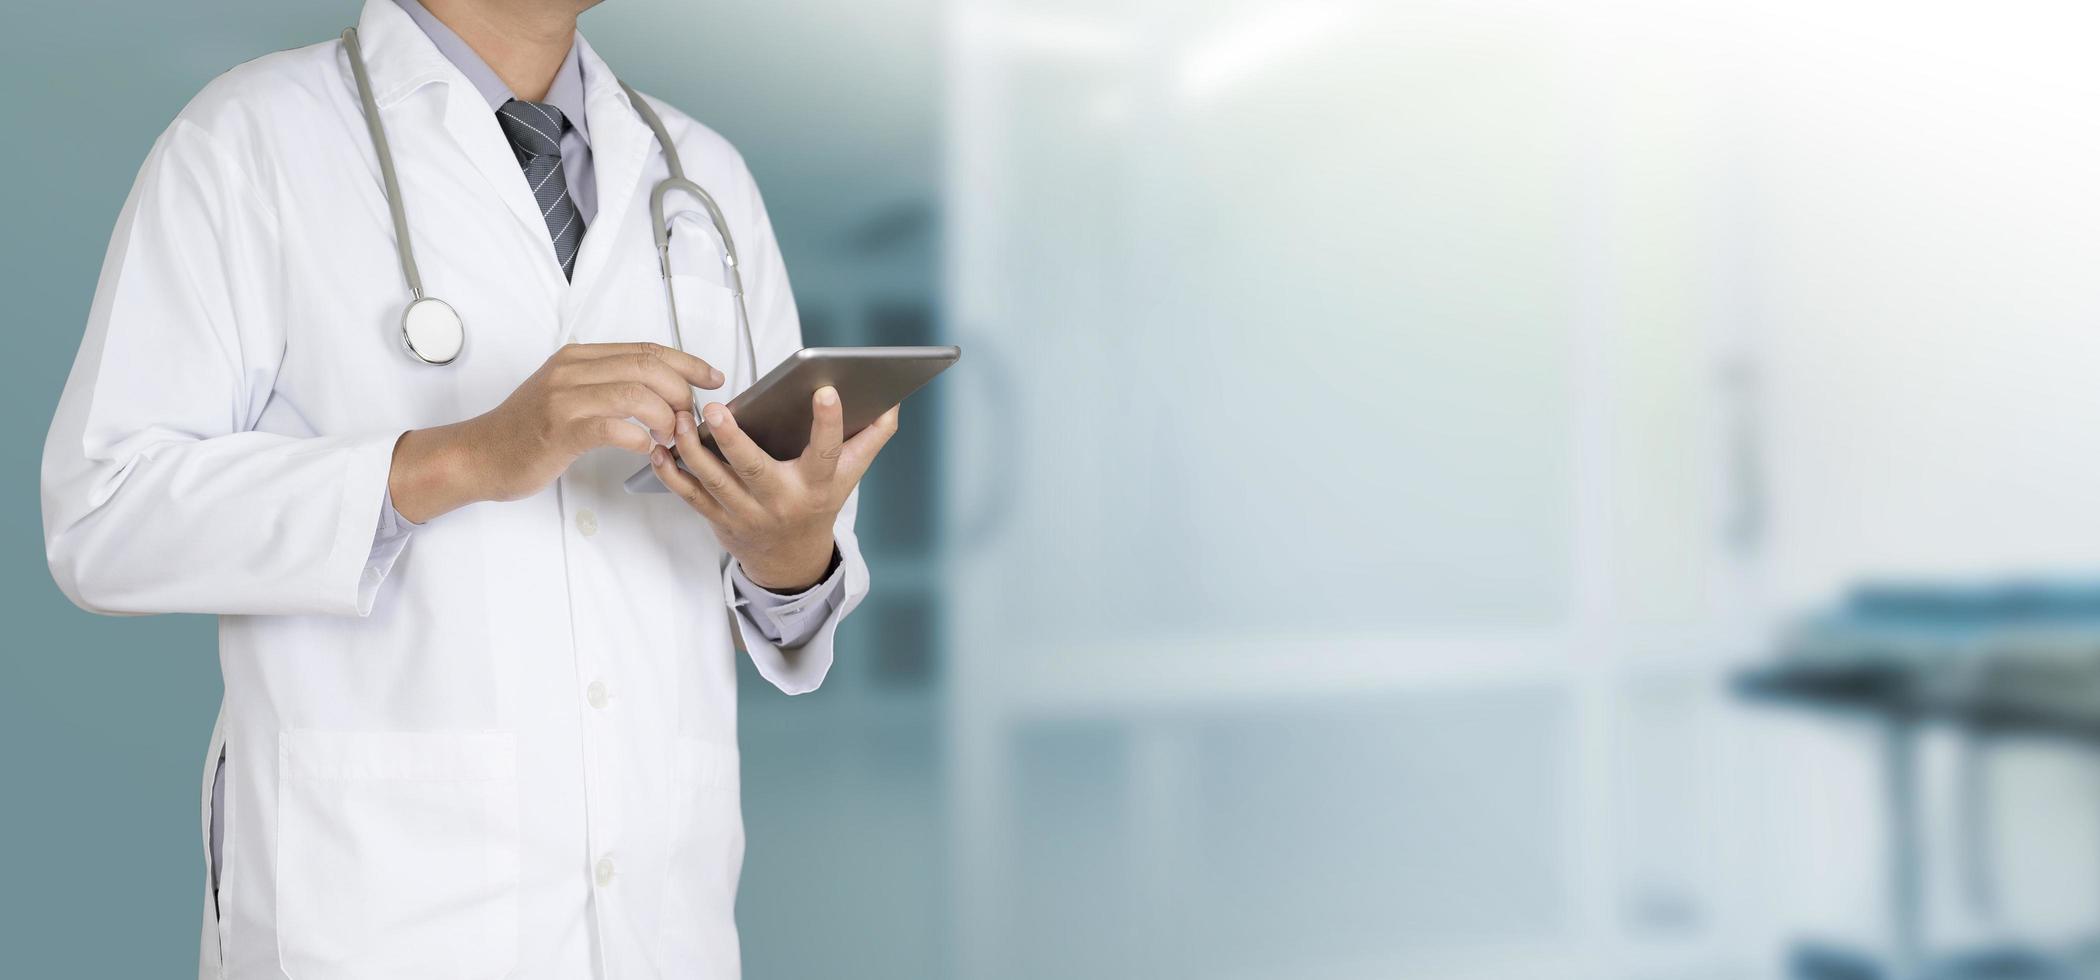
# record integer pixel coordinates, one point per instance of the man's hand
(775, 516)
(579, 400)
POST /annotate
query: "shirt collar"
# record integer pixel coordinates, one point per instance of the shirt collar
(566, 94)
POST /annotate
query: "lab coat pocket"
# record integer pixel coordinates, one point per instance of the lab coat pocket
(707, 329)
(397, 855)
(707, 857)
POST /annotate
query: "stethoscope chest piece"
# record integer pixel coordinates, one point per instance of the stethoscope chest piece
(432, 331)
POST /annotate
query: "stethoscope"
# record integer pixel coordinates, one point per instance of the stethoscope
(431, 329)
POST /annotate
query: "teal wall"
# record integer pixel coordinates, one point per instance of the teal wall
(107, 719)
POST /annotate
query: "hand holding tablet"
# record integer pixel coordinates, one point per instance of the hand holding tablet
(776, 412)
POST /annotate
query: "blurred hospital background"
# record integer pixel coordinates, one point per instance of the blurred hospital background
(1435, 488)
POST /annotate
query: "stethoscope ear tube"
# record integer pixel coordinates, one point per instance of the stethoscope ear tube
(661, 228)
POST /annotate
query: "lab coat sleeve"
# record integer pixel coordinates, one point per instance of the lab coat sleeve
(800, 669)
(777, 332)
(158, 493)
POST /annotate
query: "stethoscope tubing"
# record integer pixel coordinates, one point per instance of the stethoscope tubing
(394, 205)
(660, 228)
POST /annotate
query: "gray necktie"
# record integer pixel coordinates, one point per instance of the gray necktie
(535, 130)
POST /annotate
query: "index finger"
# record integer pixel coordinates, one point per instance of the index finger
(752, 465)
(695, 371)
(669, 385)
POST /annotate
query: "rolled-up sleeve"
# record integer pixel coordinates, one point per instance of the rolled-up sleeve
(790, 620)
(770, 630)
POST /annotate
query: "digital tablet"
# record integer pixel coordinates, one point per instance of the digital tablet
(775, 412)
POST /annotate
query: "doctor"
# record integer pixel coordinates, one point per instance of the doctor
(480, 708)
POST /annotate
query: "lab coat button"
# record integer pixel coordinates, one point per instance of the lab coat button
(596, 694)
(586, 522)
(604, 872)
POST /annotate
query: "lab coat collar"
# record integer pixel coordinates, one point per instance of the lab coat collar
(620, 151)
(565, 94)
(399, 57)
(402, 61)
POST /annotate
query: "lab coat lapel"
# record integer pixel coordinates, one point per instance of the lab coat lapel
(621, 148)
(401, 60)
(474, 128)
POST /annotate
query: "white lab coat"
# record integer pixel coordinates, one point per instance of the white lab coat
(511, 751)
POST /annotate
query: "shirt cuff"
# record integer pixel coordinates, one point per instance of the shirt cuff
(790, 620)
(387, 542)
